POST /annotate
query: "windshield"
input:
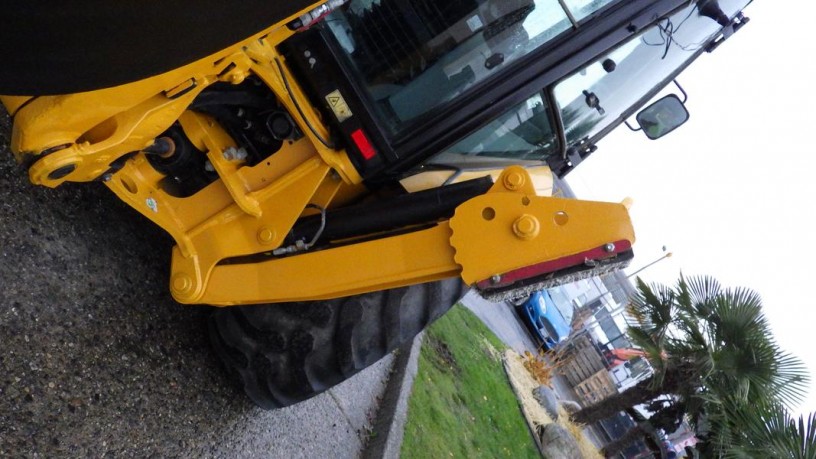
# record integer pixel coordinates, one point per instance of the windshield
(522, 133)
(415, 55)
(600, 93)
(562, 303)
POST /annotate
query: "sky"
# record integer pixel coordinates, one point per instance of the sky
(731, 193)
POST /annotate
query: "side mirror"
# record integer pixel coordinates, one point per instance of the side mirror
(662, 117)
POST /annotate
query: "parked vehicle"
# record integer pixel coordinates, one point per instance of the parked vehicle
(549, 324)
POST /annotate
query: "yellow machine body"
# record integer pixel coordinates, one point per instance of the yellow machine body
(227, 232)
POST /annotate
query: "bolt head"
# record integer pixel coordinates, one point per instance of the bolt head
(514, 180)
(609, 247)
(526, 227)
(181, 283)
(266, 235)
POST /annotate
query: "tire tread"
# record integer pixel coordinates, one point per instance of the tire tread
(285, 353)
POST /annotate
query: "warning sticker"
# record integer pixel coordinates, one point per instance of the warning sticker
(338, 105)
(475, 23)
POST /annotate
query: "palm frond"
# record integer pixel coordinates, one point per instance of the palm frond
(792, 379)
(767, 430)
(653, 305)
(701, 289)
(643, 339)
(744, 334)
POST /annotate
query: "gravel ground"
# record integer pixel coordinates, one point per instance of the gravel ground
(97, 359)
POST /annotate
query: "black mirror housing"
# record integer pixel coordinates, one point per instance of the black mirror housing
(662, 117)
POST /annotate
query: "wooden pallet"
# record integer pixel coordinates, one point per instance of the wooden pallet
(596, 388)
(580, 360)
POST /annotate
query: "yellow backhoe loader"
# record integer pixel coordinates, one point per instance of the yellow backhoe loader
(334, 173)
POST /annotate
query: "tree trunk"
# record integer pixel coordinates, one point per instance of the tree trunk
(674, 380)
(642, 392)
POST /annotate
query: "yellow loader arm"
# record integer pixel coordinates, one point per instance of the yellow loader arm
(504, 242)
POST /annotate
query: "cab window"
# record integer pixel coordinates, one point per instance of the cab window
(522, 133)
(599, 94)
(413, 56)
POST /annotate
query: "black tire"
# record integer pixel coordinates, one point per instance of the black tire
(288, 352)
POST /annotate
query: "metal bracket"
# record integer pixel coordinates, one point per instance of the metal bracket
(510, 228)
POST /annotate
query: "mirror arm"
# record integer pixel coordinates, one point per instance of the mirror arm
(685, 96)
(626, 122)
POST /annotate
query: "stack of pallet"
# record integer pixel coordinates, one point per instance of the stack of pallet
(585, 369)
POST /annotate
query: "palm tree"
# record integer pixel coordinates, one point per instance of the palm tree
(706, 344)
(655, 308)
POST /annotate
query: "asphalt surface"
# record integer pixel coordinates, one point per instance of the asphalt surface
(503, 321)
(96, 359)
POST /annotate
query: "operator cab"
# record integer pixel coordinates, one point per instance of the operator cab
(525, 80)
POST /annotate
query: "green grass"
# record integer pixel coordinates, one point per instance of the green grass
(462, 404)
